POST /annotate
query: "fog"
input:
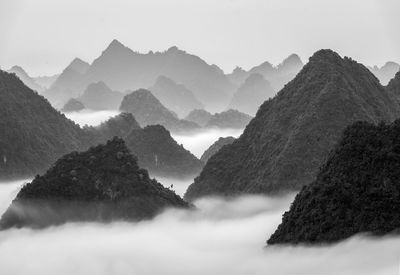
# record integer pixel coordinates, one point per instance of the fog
(220, 237)
(91, 118)
(199, 142)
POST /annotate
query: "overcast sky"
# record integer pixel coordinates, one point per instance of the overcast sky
(43, 36)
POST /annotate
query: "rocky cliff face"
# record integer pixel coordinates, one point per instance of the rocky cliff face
(102, 184)
(291, 135)
(357, 190)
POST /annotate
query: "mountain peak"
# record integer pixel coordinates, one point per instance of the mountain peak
(78, 65)
(326, 55)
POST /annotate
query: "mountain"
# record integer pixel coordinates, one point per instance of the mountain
(357, 190)
(98, 96)
(70, 83)
(229, 119)
(386, 72)
(121, 69)
(32, 134)
(291, 134)
(148, 110)
(46, 81)
(199, 116)
(175, 97)
(158, 152)
(251, 94)
(73, 105)
(28, 81)
(215, 147)
(277, 76)
(394, 86)
(102, 184)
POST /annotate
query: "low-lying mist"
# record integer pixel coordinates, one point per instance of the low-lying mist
(91, 118)
(220, 237)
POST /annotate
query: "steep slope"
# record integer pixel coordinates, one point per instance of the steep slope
(251, 94)
(215, 147)
(32, 133)
(70, 83)
(98, 96)
(102, 184)
(291, 135)
(25, 78)
(175, 97)
(199, 116)
(394, 86)
(121, 69)
(356, 191)
(148, 110)
(158, 152)
(229, 119)
(386, 72)
(73, 105)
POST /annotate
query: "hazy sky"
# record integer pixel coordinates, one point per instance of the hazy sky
(43, 36)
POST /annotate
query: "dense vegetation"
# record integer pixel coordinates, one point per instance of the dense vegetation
(102, 184)
(32, 133)
(161, 154)
(229, 119)
(357, 190)
(291, 135)
(215, 147)
(394, 86)
(73, 105)
(148, 110)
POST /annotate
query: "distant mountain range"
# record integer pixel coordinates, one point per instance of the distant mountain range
(28, 80)
(292, 133)
(98, 96)
(386, 72)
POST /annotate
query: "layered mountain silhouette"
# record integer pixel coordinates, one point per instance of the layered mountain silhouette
(291, 135)
(199, 116)
(251, 94)
(175, 97)
(102, 184)
(229, 119)
(277, 76)
(148, 110)
(215, 147)
(45, 81)
(32, 134)
(357, 190)
(394, 86)
(73, 105)
(121, 69)
(386, 72)
(98, 96)
(161, 154)
(28, 80)
(69, 84)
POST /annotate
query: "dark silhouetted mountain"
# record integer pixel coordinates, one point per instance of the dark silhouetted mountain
(251, 94)
(148, 110)
(277, 76)
(32, 134)
(199, 116)
(291, 135)
(70, 84)
(175, 97)
(28, 81)
(158, 152)
(229, 119)
(386, 72)
(103, 184)
(46, 81)
(98, 96)
(357, 190)
(73, 105)
(394, 86)
(215, 147)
